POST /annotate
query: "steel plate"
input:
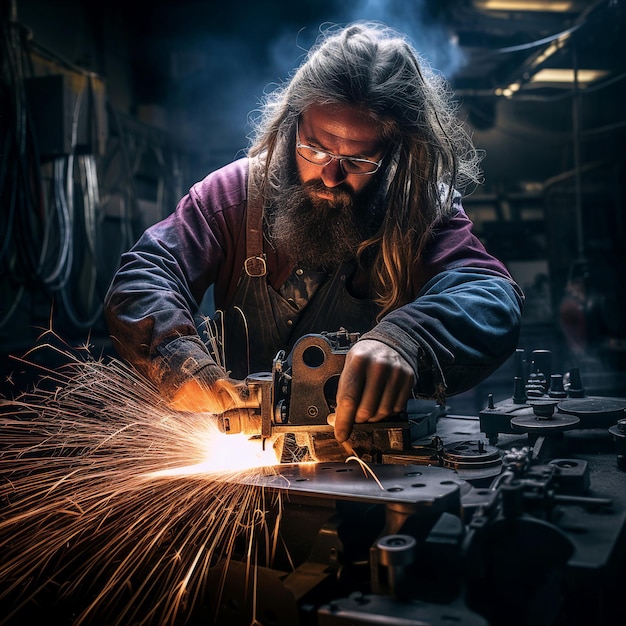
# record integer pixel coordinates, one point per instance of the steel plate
(415, 484)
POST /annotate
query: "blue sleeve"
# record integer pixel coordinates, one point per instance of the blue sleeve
(462, 326)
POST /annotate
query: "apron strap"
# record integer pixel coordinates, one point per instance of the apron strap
(254, 265)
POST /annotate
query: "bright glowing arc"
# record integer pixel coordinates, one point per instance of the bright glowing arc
(225, 453)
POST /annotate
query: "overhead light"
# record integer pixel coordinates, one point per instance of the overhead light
(507, 92)
(557, 75)
(524, 5)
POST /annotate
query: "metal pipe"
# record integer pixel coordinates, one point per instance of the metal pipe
(580, 243)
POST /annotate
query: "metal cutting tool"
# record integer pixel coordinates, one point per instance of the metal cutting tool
(299, 397)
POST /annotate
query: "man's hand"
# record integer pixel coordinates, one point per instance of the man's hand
(376, 382)
(197, 396)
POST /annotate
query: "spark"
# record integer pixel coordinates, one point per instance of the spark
(366, 469)
(114, 507)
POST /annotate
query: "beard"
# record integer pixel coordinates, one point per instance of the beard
(321, 232)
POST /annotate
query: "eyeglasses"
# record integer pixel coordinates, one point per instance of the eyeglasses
(349, 165)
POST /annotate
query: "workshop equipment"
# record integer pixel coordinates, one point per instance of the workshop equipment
(514, 517)
(299, 397)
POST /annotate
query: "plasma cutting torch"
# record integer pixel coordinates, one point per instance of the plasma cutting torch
(299, 397)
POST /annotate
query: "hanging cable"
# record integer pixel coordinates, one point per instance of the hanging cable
(20, 175)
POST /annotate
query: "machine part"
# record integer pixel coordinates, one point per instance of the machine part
(396, 553)
(472, 460)
(421, 454)
(235, 421)
(257, 417)
(423, 416)
(508, 417)
(299, 397)
(575, 387)
(540, 425)
(557, 390)
(396, 550)
(305, 384)
(594, 411)
(618, 433)
(471, 455)
(519, 391)
(314, 366)
(521, 367)
(544, 420)
(543, 407)
(496, 417)
(511, 415)
(367, 609)
(573, 476)
(521, 556)
(542, 363)
(544, 543)
(435, 488)
(370, 442)
(300, 392)
(537, 385)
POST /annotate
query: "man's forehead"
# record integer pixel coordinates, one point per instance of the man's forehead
(337, 122)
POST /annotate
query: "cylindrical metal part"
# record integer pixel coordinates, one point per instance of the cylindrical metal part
(520, 364)
(556, 387)
(396, 550)
(576, 389)
(519, 391)
(396, 553)
(512, 499)
(235, 421)
(542, 362)
(618, 433)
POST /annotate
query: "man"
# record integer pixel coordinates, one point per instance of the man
(345, 214)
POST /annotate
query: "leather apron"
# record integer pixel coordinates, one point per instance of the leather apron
(259, 322)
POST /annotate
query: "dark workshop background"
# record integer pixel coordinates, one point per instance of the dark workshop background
(111, 110)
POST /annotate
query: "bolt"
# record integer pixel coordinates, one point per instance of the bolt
(556, 387)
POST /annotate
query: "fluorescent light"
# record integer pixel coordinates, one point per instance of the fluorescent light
(524, 5)
(554, 75)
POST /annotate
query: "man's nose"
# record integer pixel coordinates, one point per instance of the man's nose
(333, 174)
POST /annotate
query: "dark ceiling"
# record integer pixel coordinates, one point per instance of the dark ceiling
(478, 48)
(226, 55)
(507, 46)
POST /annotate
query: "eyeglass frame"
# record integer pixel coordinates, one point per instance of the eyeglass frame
(335, 157)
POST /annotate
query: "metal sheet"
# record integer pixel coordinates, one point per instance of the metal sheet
(349, 481)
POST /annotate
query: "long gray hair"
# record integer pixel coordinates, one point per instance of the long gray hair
(374, 67)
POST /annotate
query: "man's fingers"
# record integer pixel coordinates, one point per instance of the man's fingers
(385, 394)
(376, 383)
(396, 394)
(344, 417)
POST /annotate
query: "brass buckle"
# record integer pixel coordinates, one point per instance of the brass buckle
(255, 266)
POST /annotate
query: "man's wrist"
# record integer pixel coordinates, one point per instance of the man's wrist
(183, 359)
